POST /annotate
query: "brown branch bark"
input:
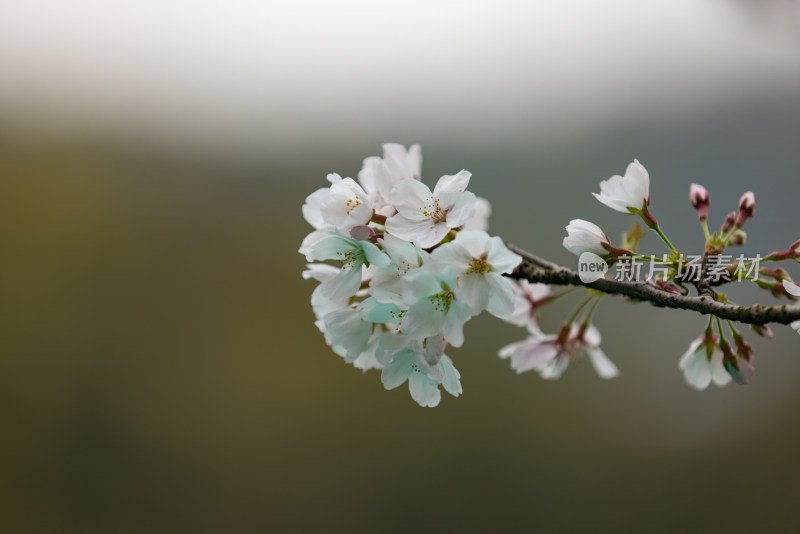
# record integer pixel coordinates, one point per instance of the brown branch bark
(535, 269)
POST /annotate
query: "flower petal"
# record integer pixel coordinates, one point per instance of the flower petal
(501, 259)
(460, 210)
(410, 198)
(532, 355)
(452, 378)
(501, 295)
(604, 367)
(696, 369)
(424, 390)
(453, 327)
(397, 371)
(449, 187)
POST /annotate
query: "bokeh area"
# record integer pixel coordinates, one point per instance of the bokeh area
(160, 370)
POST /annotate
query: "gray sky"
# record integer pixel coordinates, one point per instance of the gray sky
(289, 72)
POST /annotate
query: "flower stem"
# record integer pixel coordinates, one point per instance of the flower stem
(652, 223)
(664, 238)
(707, 234)
(579, 308)
(589, 314)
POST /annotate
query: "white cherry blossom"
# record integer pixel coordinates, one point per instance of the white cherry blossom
(425, 217)
(424, 365)
(479, 262)
(584, 236)
(698, 369)
(429, 293)
(550, 355)
(346, 204)
(626, 193)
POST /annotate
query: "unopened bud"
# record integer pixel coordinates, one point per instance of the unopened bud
(738, 364)
(730, 220)
(747, 207)
(738, 238)
(698, 196)
(777, 273)
(792, 253)
(762, 330)
(362, 232)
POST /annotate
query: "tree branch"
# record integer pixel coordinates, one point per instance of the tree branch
(535, 269)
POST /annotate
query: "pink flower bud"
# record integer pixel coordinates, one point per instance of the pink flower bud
(698, 196)
(730, 220)
(762, 330)
(747, 207)
(738, 238)
(777, 273)
(363, 232)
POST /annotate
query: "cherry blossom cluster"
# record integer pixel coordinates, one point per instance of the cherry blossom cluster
(402, 268)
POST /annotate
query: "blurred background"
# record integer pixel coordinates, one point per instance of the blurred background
(161, 371)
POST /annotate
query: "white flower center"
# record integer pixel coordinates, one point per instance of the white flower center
(433, 210)
(478, 266)
(441, 301)
(404, 267)
(352, 203)
(349, 258)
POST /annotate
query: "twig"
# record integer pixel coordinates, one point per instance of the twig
(535, 269)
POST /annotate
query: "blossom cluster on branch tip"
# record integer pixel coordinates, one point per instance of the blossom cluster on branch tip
(711, 357)
(406, 268)
(402, 268)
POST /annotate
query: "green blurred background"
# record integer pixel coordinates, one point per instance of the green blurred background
(160, 367)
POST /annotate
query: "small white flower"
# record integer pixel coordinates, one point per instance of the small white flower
(425, 217)
(346, 204)
(583, 236)
(580, 342)
(626, 193)
(698, 370)
(550, 355)
(479, 262)
(379, 176)
(429, 293)
(424, 365)
(795, 326)
(353, 255)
